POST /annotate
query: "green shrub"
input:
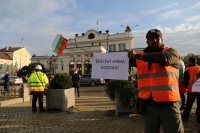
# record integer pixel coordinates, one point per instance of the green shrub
(61, 81)
(127, 91)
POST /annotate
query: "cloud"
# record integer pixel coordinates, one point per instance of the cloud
(196, 5)
(158, 10)
(183, 37)
(193, 18)
(173, 14)
(36, 21)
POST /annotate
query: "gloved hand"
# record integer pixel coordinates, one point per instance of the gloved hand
(133, 55)
(138, 56)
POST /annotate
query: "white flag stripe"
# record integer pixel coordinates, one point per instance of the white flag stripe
(55, 41)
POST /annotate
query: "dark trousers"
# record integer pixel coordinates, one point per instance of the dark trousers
(165, 113)
(190, 100)
(76, 87)
(7, 86)
(39, 96)
(182, 100)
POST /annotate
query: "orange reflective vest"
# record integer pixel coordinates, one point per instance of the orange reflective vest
(193, 70)
(159, 81)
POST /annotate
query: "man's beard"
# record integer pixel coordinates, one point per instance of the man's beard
(156, 49)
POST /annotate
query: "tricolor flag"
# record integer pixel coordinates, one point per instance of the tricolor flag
(59, 44)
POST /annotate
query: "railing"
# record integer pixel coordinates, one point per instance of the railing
(15, 91)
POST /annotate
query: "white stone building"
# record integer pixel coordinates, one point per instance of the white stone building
(77, 54)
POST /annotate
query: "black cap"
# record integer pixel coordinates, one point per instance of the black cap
(153, 32)
(193, 60)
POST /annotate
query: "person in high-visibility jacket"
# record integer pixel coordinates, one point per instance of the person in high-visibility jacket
(157, 75)
(190, 76)
(37, 81)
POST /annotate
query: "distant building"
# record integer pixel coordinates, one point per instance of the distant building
(13, 58)
(77, 54)
(49, 62)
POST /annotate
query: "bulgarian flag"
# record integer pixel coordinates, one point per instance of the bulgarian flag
(59, 44)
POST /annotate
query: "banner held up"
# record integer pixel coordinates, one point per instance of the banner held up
(110, 65)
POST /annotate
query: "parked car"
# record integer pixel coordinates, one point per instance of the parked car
(14, 80)
(86, 79)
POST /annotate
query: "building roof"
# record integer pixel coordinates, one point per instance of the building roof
(9, 49)
(5, 56)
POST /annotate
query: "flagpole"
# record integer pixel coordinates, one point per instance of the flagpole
(97, 24)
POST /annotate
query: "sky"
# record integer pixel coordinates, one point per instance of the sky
(39, 21)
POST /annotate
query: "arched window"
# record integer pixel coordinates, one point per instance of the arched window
(71, 68)
(87, 67)
(79, 67)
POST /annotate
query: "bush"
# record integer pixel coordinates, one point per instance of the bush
(61, 81)
(127, 90)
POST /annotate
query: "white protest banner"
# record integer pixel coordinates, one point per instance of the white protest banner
(196, 86)
(110, 65)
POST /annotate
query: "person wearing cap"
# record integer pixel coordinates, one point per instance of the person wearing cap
(157, 75)
(37, 81)
(190, 76)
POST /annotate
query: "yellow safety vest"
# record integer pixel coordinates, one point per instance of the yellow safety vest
(37, 81)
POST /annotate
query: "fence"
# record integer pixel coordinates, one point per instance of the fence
(16, 93)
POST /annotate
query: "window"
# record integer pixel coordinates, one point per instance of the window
(7, 67)
(1, 68)
(122, 47)
(112, 47)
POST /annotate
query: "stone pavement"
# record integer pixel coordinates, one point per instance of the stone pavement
(94, 113)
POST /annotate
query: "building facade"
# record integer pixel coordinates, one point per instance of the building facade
(13, 59)
(77, 55)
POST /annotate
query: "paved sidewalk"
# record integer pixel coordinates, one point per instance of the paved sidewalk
(94, 113)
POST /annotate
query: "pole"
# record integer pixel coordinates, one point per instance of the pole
(20, 54)
(97, 24)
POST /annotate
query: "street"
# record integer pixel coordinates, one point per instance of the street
(94, 113)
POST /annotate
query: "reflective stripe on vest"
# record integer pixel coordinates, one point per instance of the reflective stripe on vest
(34, 82)
(160, 81)
(159, 74)
(192, 72)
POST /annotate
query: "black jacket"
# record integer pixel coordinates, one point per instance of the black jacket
(169, 57)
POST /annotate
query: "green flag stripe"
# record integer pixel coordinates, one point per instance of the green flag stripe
(58, 44)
